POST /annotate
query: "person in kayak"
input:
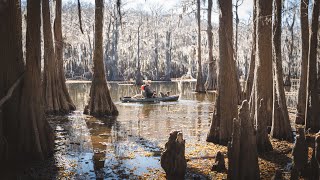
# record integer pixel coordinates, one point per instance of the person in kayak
(146, 91)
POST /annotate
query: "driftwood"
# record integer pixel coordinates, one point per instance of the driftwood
(173, 159)
(300, 151)
(220, 165)
(242, 150)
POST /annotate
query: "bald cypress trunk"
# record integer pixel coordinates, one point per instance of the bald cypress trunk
(226, 106)
(301, 106)
(35, 135)
(11, 73)
(100, 103)
(56, 96)
(261, 95)
(250, 77)
(212, 74)
(242, 149)
(281, 127)
(312, 119)
(200, 83)
(167, 76)
(139, 80)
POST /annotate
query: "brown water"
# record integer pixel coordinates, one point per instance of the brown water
(130, 145)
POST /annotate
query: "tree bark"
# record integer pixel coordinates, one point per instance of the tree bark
(114, 73)
(59, 55)
(156, 56)
(226, 106)
(300, 151)
(56, 97)
(212, 73)
(168, 57)
(11, 69)
(242, 150)
(281, 127)
(301, 106)
(173, 159)
(250, 77)
(100, 103)
(107, 55)
(312, 119)
(261, 94)
(35, 135)
(200, 83)
(139, 80)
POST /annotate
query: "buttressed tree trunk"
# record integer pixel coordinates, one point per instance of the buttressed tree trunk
(250, 76)
(226, 106)
(261, 94)
(301, 106)
(281, 127)
(100, 103)
(35, 135)
(242, 150)
(11, 73)
(312, 119)
(56, 97)
(212, 74)
(200, 83)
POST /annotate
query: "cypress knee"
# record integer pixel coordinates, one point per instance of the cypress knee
(173, 159)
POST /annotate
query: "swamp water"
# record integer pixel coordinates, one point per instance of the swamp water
(130, 145)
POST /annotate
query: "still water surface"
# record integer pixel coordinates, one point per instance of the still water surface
(130, 145)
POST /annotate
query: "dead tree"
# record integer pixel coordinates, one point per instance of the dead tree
(173, 159)
(242, 150)
(226, 106)
(281, 127)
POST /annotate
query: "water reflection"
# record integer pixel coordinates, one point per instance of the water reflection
(130, 145)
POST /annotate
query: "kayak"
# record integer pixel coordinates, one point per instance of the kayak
(149, 100)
